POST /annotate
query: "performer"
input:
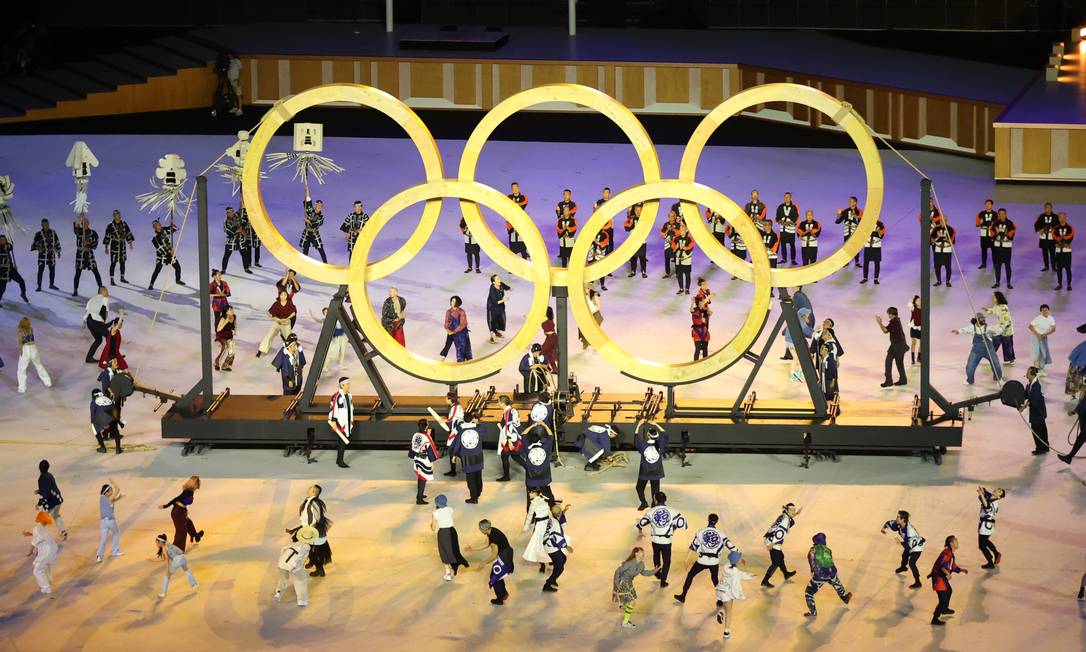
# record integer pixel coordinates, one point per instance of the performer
(535, 521)
(313, 513)
(456, 331)
(942, 238)
(755, 208)
(86, 241)
(314, 219)
(45, 550)
(985, 218)
(353, 224)
(609, 227)
(220, 294)
(827, 370)
(550, 340)
(225, 329)
(651, 440)
(112, 349)
(683, 245)
(495, 307)
(1001, 313)
(623, 592)
(535, 457)
(739, 248)
(237, 239)
(453, 419)
(788, 218)
(1080, 412)
(989, 507)
(1038, 411)
(290, 363)
(663, 521)
(471, 247)
(1002, 233)
(337, 347)
(543, 421)
(289, 284)
(467, 446)
(823, 571)
(50, 498)
(500, 562)
(595, 446)
(982, 348)
(850, 216)
(183, 527)
(597, 251)
(597, 314)
(566, 212)
(28, 354)
(423, 454)
(873, 251)
(945, 566)
(633, 215)
(281, 313)
(915, 330)
(291, 565)
(1040, 328)
(774, 541)
(104, 420)
(448, 542)
(708, 542)
(107, 519)
(509, 441)
(699, 326)
(164, 253)
(250, 240)
(1043, 226)
(117, 237)
(668, 232)
(718, 225)
(730, 589)
(47, 244)
(772, 242)
(175, 559)
(911, 542)
(1062, 235)
(9, 271)
(808, 231)
(392, 315)
(516, 242)
(534, 370)
(556, 545)
(341, 419)
(895, 354)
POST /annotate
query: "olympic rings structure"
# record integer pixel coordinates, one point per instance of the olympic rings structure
(537, 269)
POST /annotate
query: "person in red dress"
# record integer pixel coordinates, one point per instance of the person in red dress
(944, 567)
(550, 341)
(112, 349)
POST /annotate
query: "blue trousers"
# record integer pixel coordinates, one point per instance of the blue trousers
(975, 356)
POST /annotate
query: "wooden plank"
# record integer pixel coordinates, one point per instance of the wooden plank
(305, 74)
(342, 71)
(508, 80)
(633, 87)
(910, 116)
(388, 77)
(857, 97)
(589, 76)
(548, 74)
(672, 85)
(267, 79)
(488, 85)
(1076, 148)
(1003, 153)
(465, 83)
(609, 80)
(938, 117)
(880, 110)
(967, 114)
(426, 80)
(1037, 151)
(712, 87)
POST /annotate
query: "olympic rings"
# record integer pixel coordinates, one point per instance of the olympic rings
(686, 372)
(283, 112)
(845, 117)
(390, 349)
(585, 96)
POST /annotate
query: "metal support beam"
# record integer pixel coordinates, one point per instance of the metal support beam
(561, 297)
(203, 387)
(806, 364)
(924, 411)
(388, 15)
(573, 17)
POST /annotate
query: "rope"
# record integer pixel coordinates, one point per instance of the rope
(969, 293)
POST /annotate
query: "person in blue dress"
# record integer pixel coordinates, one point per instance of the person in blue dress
(456, 331)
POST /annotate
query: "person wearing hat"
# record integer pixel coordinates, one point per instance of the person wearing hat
(982, 348)
(175, 560)
(823, 571)
(341, 418)
(468, 446)
(730, 589)
(423, 454)
(108, 496)
(651, 441)
(774, 541)
(290, 363)
(663, 521)
(534, 370)
(448, 542)
(45, 546)
(292, 565)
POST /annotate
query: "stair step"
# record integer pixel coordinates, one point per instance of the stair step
(43, 89)
(73, 81)
(164, 57)
(187, 47)
(18, 99)
(134, 65)
(105, 74)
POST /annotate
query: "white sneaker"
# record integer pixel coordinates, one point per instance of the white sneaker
(727, 633)
(448, 577)
(303, 604)
(278, 596)
(628, 625)
(47, 590)
(98, 559)
(117, 554)
(161, 595)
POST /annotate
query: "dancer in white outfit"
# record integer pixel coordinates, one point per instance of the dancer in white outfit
(730, 589)
(292, 565)
(28, 353)
(109, 495)
(539, 514)
(43, 543)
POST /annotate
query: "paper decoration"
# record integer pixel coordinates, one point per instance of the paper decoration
(81, 159)
(308, 140)
(7, 218)
(232, 171)
(167, 186)
(308, 137)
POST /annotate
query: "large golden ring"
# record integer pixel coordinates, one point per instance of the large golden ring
(283, 112)
(845, 117)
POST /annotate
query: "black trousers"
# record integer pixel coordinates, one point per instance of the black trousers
(499, 590)
(305, 250)
(857, 259)
(873, 255)
(519, 248)
(1001, 258)
(985, 247)
(908, 560)
(475, 484)
(246, 258)
(99, 331)
(505, 463)
(558, 565)
(563, 255)
(113, 262)
(1063, 264)
(942, 262)
(896, 354)
(682, 275)
(701, 350)
(741, 254)
(610, 241)
(641, 489)
(18, 278)
(111, 432)
(714, 572)
(420, 488)
(341, 448)
(471, 251)
(641, 257)
(808, 255)
(1079, 441)
(776, 559)
(79, 272)
(176, 273)
(52, 273)
(788, 246)
(1048, 253)
(661, 557)
(944, 601)
(669, 257)
(1040, 428)
(987, 548)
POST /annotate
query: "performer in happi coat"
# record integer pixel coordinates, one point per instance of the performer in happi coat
(313, 513)
(651, 440)
(500, 562)
(566, 227)
(596, 444)
(341, 419)
(467, 446)
(290, 363)
(708, 543)
(535, 370)
(454, 417)
(912, 544)
(237, 239)
(662, 521)
(945, 566)
(509, 441)
(423, 454)
(989, 507)
(1002, 233)
(556, 545)
(808, 231)
(850, 217)
(788, 219)
(311, 229)
(164, 252)
(535, 522)
(774, 541)
(86, 241)
(47, 244)
(352, 225)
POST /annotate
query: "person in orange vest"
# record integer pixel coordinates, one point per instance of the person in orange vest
(632, 216)
(1002, 233)
(984, 222)
(1062, 235)
(873, 251)
(683, 247)
(566, 212)
(667, 233)
(516, 243)
(850, 216)
(808, 231)
(788, 218)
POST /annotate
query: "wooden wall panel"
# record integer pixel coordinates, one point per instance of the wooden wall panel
(508, 80)
(633, 87)
(880, 111)
(938, 117)
(305, 74)
(487, 83)
(388, 77)
(342, 71)
(1076, 149)
(1003, 153)
(966, 119)
(589, 76)
(910, 116)
(712, 87)
(672, 85)
(773, 77)
(609, 80)
(548, 74)
(267, 79)
(465, 83)
(364, 73)
(1036, 151)
(426, 80)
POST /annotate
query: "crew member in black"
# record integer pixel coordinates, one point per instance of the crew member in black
(633, 214)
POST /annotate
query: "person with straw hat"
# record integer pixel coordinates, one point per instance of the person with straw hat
(292, 565)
